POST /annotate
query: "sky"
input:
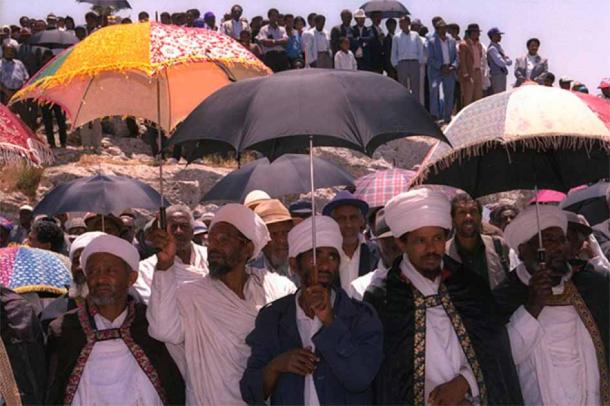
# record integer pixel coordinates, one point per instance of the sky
(574, 34)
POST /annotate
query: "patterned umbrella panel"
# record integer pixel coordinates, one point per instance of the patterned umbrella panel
(25, 269)
(18, 143)
(105, 72)
(379, 187)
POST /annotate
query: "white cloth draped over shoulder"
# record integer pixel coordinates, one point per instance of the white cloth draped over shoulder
(204, 325)
(196, 269)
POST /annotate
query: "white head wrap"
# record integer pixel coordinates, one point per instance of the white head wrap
(110, 244)
(417, 208)
(247, 222)
(525, 225)
(328, 234)
(82, 241)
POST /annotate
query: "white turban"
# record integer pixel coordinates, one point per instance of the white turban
(417, 208)
(525, 225)
(328, 234)
(247, 222)
(110, 244)
(82, 241)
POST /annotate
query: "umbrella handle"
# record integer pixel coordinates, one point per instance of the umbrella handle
(314, 273)
(162, 218)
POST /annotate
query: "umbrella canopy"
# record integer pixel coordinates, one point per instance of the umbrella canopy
(18, 143)
(548, 197)
(25, 269)
(54, 39)
(590, 201)
(388, 8)
(103, 194)
(379, 187)
(279, 113)
(116, 4)
(530, 136)
(167, 70)
(289, 174)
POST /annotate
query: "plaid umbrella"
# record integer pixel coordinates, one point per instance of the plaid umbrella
(380, 186)
(25, 269)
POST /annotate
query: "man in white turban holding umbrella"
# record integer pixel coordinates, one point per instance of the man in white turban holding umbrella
(558, 317)
(205, 322)
(442, 343)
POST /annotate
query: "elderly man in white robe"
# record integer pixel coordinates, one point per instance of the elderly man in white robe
(205, 322)
(558, 317)
(443, 345)
(191, 260)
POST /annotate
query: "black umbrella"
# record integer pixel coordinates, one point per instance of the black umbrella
(590, 202)
(102, 194)
(117, 4)
(54, 39)
(289, 174)
(388, 8)
(299, 109)
(280, 113)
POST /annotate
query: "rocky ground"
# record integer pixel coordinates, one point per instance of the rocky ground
(188, 183)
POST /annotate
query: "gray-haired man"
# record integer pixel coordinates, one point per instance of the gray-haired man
(191, 259)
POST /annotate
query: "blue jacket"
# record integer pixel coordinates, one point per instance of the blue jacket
(435, 54)
(350, 352)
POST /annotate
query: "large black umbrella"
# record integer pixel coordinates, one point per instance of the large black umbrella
(117, 4)
(54, 39)
(102, 194)
(299, 109)
(590, 202)
(388, 8)
(289, 174)
(279, 113)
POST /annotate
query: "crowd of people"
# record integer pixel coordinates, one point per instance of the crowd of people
(444, 71)
(422, 301)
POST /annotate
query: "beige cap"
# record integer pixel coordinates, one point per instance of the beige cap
(272, 211)
(254, 197)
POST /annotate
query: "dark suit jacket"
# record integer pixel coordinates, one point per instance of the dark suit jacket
(374, 51)
(361, 41)
(369, 258)
(349, 350)
(537, 75)
(336, 33)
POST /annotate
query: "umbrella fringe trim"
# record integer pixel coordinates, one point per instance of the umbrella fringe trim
(539, 144)
(148, 69)
(41, 289)
(14, 154)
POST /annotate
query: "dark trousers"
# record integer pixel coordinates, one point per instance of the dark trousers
(152, 137)
(277, 61)
(48, 110)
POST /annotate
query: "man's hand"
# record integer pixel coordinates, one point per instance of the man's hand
(316, 298)
(445, 70)
(299, 361)
(539, 291)
(450, 393)
(166, 246)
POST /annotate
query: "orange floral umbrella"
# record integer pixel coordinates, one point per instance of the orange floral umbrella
(148, 70)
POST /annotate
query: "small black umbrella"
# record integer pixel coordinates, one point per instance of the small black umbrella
(117, 4)
(388, 8)
(590, 202)
(102, 194)
(280, 113)
(289, 174)
(54, 39)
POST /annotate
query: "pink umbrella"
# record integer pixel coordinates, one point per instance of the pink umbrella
(18, 144)
(547, 196)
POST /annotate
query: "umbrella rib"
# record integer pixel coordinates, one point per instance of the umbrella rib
(82, 100)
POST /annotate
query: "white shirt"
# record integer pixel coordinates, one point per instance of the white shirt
(554, 354)
(236, 28)
(314, 42)
(407, 46)
(112, 375)
(348, 270)
(445, 357)
(365, 282)
(445, 50)
(530, 63)
(268, 32)
(204, 325)
(197, 268)
(345, 60)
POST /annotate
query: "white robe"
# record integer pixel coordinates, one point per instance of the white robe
(196, 269)
(360, 285)
(112, 375)
(445, 358)
(554, 355)
(205, 325)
